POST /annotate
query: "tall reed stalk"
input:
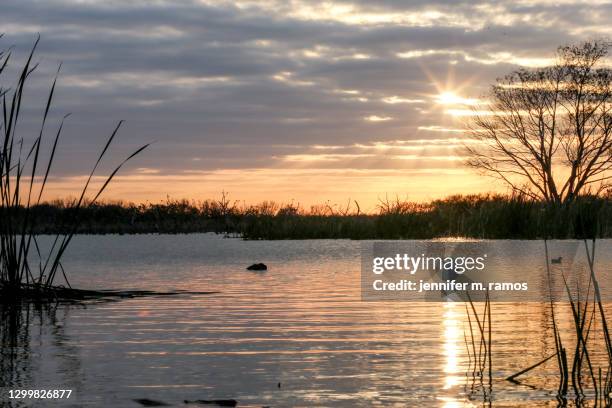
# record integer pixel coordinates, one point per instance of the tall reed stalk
(23, 178)
(586, 313)
(480, 340)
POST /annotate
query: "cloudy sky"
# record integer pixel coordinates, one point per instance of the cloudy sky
(310, 101)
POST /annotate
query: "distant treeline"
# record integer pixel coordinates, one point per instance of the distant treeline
(474, 216)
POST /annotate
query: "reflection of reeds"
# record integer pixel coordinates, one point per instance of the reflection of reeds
(480, 360)
(560, 350)
(15, 361)
(586, 313)
(22, 172)
(22, 324)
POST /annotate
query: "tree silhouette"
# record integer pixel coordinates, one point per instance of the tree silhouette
(547, 132)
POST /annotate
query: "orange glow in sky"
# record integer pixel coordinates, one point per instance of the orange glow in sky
(302, 101)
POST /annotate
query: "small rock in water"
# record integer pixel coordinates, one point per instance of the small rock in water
(151, 403)
(258, 267)
(217, 402)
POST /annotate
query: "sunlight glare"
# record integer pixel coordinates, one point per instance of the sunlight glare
(451, 346)
(451, 98)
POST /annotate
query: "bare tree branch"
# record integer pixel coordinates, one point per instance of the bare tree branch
(549, 130)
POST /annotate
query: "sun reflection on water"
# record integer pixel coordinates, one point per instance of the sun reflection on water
(451, 324)
(452, 333)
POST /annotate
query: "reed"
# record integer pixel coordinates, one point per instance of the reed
(482, 216)
(23, 177)
(481, 342)
(586, 313)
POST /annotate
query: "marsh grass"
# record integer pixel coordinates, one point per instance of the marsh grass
(23, 177)
(472, 216)
(479, 348)
(483, 216)
(586, 376)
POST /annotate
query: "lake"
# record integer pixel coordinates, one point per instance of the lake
(302, 324)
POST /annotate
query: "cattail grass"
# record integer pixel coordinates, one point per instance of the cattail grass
(21, 173)
(586, 312)
(480, 358)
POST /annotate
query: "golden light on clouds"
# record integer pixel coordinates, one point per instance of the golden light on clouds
(482, 58)
(270, 99)
(306, 186)
(322, 157)
(436, 128)
(289, 78)
(392, 100)
(377, 118)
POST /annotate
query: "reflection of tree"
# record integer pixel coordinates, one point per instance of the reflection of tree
(20, 324)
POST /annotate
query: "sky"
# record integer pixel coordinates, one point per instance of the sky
(310, 102)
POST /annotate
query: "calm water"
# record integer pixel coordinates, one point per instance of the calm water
(301, 323)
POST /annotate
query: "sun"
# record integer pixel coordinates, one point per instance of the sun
(447, 98)
(451, 98)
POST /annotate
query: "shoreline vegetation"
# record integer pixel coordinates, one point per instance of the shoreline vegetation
(584, 355)
(25, 166)
(483, 216)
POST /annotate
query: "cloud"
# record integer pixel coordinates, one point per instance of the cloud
(376, 118)
(243, 84)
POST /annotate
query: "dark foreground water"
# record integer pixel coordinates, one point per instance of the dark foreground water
(301, 324)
